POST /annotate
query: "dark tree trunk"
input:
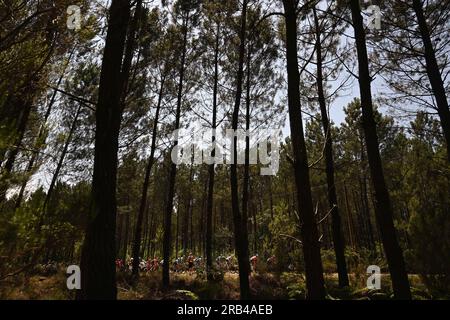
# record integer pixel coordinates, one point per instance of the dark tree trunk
(119, 235)
(185, 227)
(246, 180)
(367, 220)
(270, 197)
(383, 208)
(14, 115)
(338, 238)
(434, 75)
(167, 241)
(126, 236)
(152, 221)
(188, 214)
(240, 225)
(129, 51)
(254, 209)
(310, 238)
(59, 167)
(144, 195)
(152, 229)
(211, 173)
(25, 107)
(349, 218)
(361, 230)
(203, 233)
(98, 253)
(144, 246)
(177, 231)
(125, 79)
(191, 218)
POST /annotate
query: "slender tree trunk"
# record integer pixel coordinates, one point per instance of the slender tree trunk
(349, 217)
(152, 231)
(144, 246)
(129, 51)
(167, 242)
(361, 229)
(211, 173)
(39, 140)
(202, 232)
(177, 231)
(383, 208)
(191, 217)
(338, 238)
(59, 166)
(254, 209)
(310, 238)
(434, 75)
(246, 180)
(126, 236)
(271, 197)
(240, 225)
(151, 236)
(188, 214)
(98, 253)
(119, 235)
(7, 170)
(14, 115)
(185, 228)
(146, 185)
(367, 220)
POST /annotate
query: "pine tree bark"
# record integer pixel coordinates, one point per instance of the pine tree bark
(126, 236)
(383, 207)
(246, 178)
(59, 167)
(146, 185)
(349, 218)
(246, 182)
(25, 107)
(240, 226)
(309, 233)
(211, 173)
(434, 75)
(338, 237)
(98, 272)
(167, 238)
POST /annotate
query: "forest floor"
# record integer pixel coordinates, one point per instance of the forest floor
(190, 286)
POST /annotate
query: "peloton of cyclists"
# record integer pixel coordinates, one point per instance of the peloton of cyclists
(191, 263)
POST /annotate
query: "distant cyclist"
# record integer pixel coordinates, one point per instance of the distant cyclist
(130, 264)
(155, 264)
(271, 262)
(190, 261)
(175, 265)
(221, 261)
(229, 262)
(254, 262)
(198, 262)
(119, 264)
(142, 264)
(148, 265)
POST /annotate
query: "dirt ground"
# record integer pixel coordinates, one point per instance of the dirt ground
(190, 286)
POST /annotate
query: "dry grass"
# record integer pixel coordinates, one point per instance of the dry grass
(187, 286)
(35, 288)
